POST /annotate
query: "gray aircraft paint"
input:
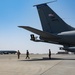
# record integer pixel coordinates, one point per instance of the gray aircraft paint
(50, 21)
(55, 30)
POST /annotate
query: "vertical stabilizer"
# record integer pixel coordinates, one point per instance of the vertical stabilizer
(50, 21)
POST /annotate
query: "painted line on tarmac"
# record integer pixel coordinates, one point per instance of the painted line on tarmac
(51, 67)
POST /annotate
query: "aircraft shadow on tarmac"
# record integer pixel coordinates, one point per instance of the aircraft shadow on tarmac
(46, 59)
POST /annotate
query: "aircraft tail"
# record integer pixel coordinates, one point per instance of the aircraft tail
(50, 21)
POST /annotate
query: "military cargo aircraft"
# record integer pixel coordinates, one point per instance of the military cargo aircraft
(55, 30)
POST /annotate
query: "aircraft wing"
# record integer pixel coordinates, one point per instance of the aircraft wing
(39, 32)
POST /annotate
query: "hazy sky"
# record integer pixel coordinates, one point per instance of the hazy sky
(14, 13)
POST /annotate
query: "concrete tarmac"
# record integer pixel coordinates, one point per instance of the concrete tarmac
(37, 65)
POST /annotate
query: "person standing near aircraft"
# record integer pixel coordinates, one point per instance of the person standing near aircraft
(27, 54)
(49, 54)
(18, 53)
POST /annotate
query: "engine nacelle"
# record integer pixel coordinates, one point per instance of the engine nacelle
(70, 49)
(32, 37)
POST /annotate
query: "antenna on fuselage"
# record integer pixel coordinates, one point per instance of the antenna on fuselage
(46, 3)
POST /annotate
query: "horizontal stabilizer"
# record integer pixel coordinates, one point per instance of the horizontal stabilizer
(39, 32)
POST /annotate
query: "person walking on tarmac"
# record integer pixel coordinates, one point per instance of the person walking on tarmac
(27, 54)
(49, 54)
(18, 54)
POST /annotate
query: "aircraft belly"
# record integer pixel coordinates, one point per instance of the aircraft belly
(68, 40)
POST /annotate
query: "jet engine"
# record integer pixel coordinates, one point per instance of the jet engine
(70, 49)
(32, 37)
